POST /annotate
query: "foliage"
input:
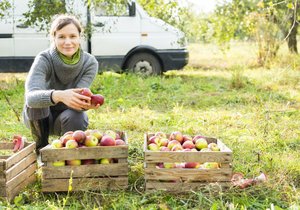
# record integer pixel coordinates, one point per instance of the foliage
(4, 6)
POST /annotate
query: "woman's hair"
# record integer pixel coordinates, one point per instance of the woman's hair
(61, 21)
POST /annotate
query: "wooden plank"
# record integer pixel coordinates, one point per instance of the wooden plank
(62, 185)
(6, 146)
(15, 191)
(84, 153)
(209, 175)
(4, 157)
(2, 187)
(15, 158)
(21, 177)
(93, 170)
(201, 157)
(185, 187)
(20, 166)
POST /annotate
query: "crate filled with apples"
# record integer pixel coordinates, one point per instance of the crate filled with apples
(85, 160)
(177, 162)
(17, 166)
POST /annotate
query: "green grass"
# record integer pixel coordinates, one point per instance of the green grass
(254, 110)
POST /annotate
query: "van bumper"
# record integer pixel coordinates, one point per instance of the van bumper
(173, 59)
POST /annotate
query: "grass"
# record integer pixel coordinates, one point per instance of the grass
(254, 110)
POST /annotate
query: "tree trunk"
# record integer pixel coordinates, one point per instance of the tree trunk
(292, 39)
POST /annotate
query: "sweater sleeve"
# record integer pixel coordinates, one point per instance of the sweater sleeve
(90, 72)
(36, 93)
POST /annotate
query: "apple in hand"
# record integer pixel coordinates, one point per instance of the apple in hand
(86, 92)
(97, 99)
(91, 141)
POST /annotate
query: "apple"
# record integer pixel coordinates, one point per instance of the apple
(201, 143)
(164, 148)
(153, 139)
(160, 134)
(79, 136)
(66, 137)
(97, 99)
(71, 144)
(197, 137)
(192, 165)
(205, 150)
(111, 133)
(159, 165)
(213, 147)
(177, 147)
(120, 142)
(187, 138)
(91, 141)
(163, 141)
(169, 165)
(176, 135)
(86, 92)
(73, 162)
(105, 161)
(153, 147)
(107, 141)
(98, 134)
(179, 165)
(188, 144)
(172, 143)
(88, 161)
(211, 165)
(56, 144)
(59, 163)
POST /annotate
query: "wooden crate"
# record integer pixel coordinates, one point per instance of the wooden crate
(85, 177)
(186, 179)
(17, 170)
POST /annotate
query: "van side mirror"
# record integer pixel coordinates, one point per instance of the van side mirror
(132, 9)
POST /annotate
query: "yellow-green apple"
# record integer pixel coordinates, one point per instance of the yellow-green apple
(56, 144)
(172, 143)
(88, 161)
(71, 144)
(213, 147)
(79, 136)
(163, 141)
(66, 137)
(59, 163)
(192, 165)
(169, 165)
(205, 150)
(97, 99)
(188, 144)
(164, 148)
(91, 141)
(160, 134)
(201, 143)
(107, 140)
(120, 142)
(177, 147)
(211, 165)
(111, 133)
(176, 135)
(98, 134)
(153, 147)
(105, 161)
(195, 138)
(73, 162)
(86, 92)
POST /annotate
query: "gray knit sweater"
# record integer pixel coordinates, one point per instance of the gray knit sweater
(48, 72)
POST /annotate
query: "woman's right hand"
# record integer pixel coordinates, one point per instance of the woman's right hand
(72, 98)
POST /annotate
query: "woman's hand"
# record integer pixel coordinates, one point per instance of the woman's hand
(73, 99)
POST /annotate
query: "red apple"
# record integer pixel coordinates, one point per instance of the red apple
(176, 135)
(201, 143)
(71, 144)
(153, 139)
(91, 141)
(177, 147)
(107, 141)
(172, 143)
(86, 92)
(120, 142)
(192, 165)
(188, 145)
(187, 138)
(164, 148)
(160, 134)
(163, 142)
(73, 162)
(88, 161)
(79, 136)
(66, 137)
(97, 99)
(56, 144)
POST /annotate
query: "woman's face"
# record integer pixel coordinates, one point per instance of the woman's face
(67, 40)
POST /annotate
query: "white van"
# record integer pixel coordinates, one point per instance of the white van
(126, 38)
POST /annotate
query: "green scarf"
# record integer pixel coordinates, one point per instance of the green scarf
(70, 61)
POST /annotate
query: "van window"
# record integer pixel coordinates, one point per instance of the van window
(111, 9)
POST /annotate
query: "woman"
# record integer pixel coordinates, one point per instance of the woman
(53, 103)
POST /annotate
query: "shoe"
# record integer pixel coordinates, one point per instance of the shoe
(40, 132)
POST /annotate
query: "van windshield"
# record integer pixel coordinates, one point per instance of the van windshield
(112, 9)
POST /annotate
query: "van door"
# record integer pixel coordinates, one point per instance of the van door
(6, 32)
(29, 41)
(116, 32)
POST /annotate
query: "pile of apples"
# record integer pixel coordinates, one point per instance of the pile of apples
(178, 142)
(88, 138)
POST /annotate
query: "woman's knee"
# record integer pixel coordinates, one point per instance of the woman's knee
(71, 120)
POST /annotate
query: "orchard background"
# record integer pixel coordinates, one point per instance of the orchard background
(241, 85)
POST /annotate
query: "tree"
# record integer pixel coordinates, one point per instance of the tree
(4, 6)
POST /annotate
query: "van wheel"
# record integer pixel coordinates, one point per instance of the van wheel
(144, 64)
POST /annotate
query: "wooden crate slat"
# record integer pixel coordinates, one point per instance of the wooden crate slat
(2, 187)
(159, 156)
(184, 187)
(3, 157)
(15, 158)
(93, 170)
(21, 177)
(62, 185)
(6, 145)
(15, 191)
(209, 175)
(84, 153)
(20, 166)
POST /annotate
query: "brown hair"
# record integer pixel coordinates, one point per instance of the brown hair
(61, 21)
